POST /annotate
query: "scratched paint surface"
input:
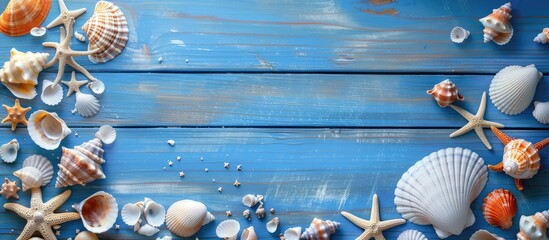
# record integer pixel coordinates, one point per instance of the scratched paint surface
(323, 104)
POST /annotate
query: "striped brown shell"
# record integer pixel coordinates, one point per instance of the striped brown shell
(445, 93)
(499, 208)
(20, 16)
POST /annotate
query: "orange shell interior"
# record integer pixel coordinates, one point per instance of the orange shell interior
(20, 16)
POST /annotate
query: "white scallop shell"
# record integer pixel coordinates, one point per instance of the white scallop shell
(251, 200)
(411, 235)
(106, 134)
(97, 87)
(185, 218)
(86, 104)
(440, 188)
(292, 233)
(485, 235)
(272, 225)
(51, 95)
(8, 151)
(38, 31)
(98, 212)
(513, 88)
(541, 112)
(249, 234)
(148, 230)
(46, 129)
(228, 229)
(458, 35)
(131, 213)
(37, 171)
(155, 214)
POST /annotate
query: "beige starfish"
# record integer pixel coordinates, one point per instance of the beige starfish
(40, 216)
(476, 122)
(65, 17)
(9, 189)
(74, 85)
(16, 114)
(373, 228)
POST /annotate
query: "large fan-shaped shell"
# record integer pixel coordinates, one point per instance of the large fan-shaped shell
(499, 208)
(185, 218)
(411, 235)
(20, 16)
(81, 165)
(37, 171)
(496, 25)
(98, 212)
(485, 235)
(534, 227)
(51, 95)
(513, 88)
(445, 93)
(320, 230)
(249, 234)
(8, 151)
(292, 233)
(228, 229)
(440, 188)
(107, 30)
(541, 112)
(20, 73)
(46, 129)
(86, 104)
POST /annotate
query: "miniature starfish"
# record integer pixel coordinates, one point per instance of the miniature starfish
(476, 122)
(74, 85)
(40, 216)
(226, 165)
(9, 189)
(16, 114)
(236, 183)
(181, 174)
(373, 228)
(66, 17)
(228, 213)
(239, 167)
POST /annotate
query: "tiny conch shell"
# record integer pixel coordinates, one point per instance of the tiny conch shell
(37, 171)
(248, 234)
(8, 151)
(272, 225)
(292, 233)
(485, 235)
(251, 200)
(228, 230)
(20, 73)
(79, 36)
(513, 88)
(51, 95)
(411, 235)
(534, 227)
(260, 211)
(38, 31)
(20, 16)
(499, 208)
(496, 25)
(185, 218)
(155, 214)
(98, 212)
(86, 104)
(46, 129)
(85, 235)
(321, 228)
(445, 93)
(458, 35)
(541, 112)
(148, 230)
(542, 37)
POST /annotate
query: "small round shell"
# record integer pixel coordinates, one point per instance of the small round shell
(272, 225)
(499, 208)
(106, 134)
(51, 95)
(411, 235)
(228, 229)
(85, 235)
(260, 211)
(86, 104)
(458, 35)
(541, 112)
(249, 234)
(38, 31)
(37, 171)
(131, 213)
(292, 233)
(8, 151)
(148, 230)
(155, 214)
(445, 93)
(98, 212)
(97, 87)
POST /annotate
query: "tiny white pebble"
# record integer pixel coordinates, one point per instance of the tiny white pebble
(239, 167)
(170, 163)
(73, 111)
(171, 142)
(220, 189)
(75, 134)
(116, 226)
(226, 165)
(160, 59)
(201, 158)
(205, 170)
(57, 233)
(213, 180)
(77, 231)
(164, 168)
(187, 61)
(178, 158)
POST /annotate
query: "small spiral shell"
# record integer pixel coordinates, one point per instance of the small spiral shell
(445, 93)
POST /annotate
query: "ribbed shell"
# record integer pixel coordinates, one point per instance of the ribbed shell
(440, 188)
(131, 213)
(411, 235)
(81, 165)
(185, 218)
(37, 171)
(86, 104)
(292, 233)
(272, 225)
(51, 95)
(8, 151)
(521, 159)
(228, 229)
(20, 73)
(445, 93)
(513, 88)
(107, 30)
(320, 230)
(534, 227)
(496, 25)
(20, 16)
(459, 34)
(499, 208)
(98, 212)
(541, 112)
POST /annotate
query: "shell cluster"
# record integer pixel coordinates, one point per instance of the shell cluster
(37, 171)
(513, 88)
(98, 212)
(8, 151)
(320, 229)
(146, 216)
(499, 208)
(20, 16)
(185, 217)
(534, 227)
(445, 93)
(411, 235)
(496, 25)
(20, 73)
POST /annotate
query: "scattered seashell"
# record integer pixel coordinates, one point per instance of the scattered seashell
(541, 112)
(458, 35)
(292, 233)
(249, 234)
(239, 167)
(226, 165)
(20, 73)
(170, 163)
(20, 16)
(171, 142)
(80, 37)
(107, 30)
(37, 171)
(411, 235)
(445, 93)
(534, 227)
(97, 87)
(51, 95)
(228, 213)
(499, 208)
(155, 214)
(272, 225)
(228, 230)
(542, 37)
(85, 235)
(98, 212)
(46, 129)
(272, 211)
(137, 226)
(8, 151)
(185, 218)
(485, 235)
(513, 88)
(131, 213)
(106, 134)
(38, 31)
(220, 189)
(496, 25)
(453, 176)
(320, 230)
(260, 211)
(86, 104)
(246, 214)
(9, 189)
(251, 200)
(181, 174)
(148, 230)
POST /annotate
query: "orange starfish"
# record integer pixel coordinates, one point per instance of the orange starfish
(16, 114)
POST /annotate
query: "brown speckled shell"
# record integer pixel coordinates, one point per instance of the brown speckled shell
(499, 208)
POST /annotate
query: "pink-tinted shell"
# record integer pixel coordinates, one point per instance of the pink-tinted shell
(499, 208)
(445, 93)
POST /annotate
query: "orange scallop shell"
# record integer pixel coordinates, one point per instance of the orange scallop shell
(20, 16)
(499, 208)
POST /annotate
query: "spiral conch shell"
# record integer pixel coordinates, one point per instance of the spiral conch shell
(107, 30)
(499, 208)
(496, 25)
(320, 230)
(543, 37)
(98, 212)
(185, 218)
(445, 93)
(20, 16)
(534, 227)
(20, 73)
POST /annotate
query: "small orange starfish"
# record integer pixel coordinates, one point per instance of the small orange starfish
(16, 114)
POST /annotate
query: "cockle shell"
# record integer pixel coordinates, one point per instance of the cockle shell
(485, 235)
(445, 93)
(8, 151)
(251, 200)
(541, 112)
(51, 95)
(46, 129)
(86, 105)
(228, 229)
(20, 73)
(185, 218)
(452, 176)
(98, 212)
(106, 134)
(272, 225)
(411, 235)
(542, 37)
(249, 234)
(513, 88)
(534, 227)
(37, 171)
(496, 25)
(131, 213)
(458, 35)
(499, 208)
(97, 87)
(107, 30)
(20, 16)
(320, 230)
(292, 233)
(85, 235)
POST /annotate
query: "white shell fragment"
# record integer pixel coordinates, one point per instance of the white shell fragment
(38, 31)
(86, 104)
(458, 35)
(228, 229)
(37, 171)
(411, 235)
(46, 129)
(292, 233)
(97, 87)
(98, 212)
(542, 37)
(131, 213)
(148, 230)
(106, 134)
(170, 142)
(51, 95)
(79, 36)
(541, 112)
(249, 234)
(272, 225)
(513, 88)
(485, 235)
(8, 151)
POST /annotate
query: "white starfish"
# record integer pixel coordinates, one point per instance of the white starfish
(74, 85)
(476, 122)
(66, 16)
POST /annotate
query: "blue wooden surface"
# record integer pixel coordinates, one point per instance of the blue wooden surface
(322, 102)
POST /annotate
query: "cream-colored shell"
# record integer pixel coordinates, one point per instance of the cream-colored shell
(513, 88)
(148, 230)
(46, 129)
(459, 34)
(534, 227)
(20, 73)
(86, 104)
(292, 233)
(154, 213)
(272, 225)
(185, 218)
(85, 235)
(249, 234)
(37, 171)
(485, 235)
(106, 134)
(541, 112)
(98, 212)
(228, 230)
(8, 151)
(542, 37)
(411, 235)
(51, 95)
(131, 213)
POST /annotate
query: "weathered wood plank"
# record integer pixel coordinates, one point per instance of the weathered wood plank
(310, 36)
(303, 173)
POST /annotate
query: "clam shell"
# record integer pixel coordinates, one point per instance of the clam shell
(98, 212)
(411, 235)
(155, 214)
(46, 129)
(542, 37)
(8, 151)
(485, 235)
(20, 16)
(38, 31)
(445, 93)
(228, 229)
(86, 104)
(81, 165)
(97, 87)
(534, 227)
(541, 112)
(292, 233)
(513, 88)
(107, 30)
(320, 230)
(51, 95)
(106, 134)
(453, 177)
(249, 234)
(131, 213)
(496, 25)
(272, 225)
(85, 235)
(499, 208)
(458, 35)
(148, 230)
(37, 171)
(185, 218)
(20, 73)
(249, 200)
